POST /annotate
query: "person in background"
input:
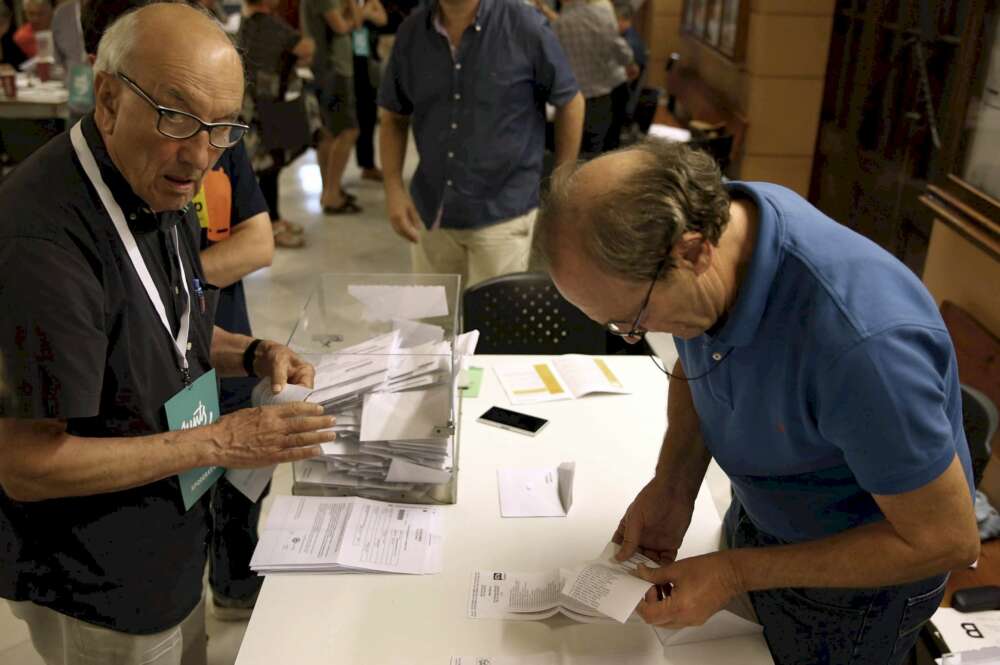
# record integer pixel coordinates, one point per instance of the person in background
(366, 79)
(625, 13)
(67, 35)
(10, 53)
(272, 49)
(396, 12)
(814, 368)
(329, 24)
(474, 76)
(39, 17)
(105, 326)
(602, 62)
(236, 240)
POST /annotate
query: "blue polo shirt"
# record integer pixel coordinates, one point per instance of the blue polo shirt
(478, 116)
(841, 380)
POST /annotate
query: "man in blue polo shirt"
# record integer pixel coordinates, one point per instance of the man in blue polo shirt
(814, 368)
(474, 76)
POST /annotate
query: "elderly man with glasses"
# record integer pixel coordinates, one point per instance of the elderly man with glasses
(814, 368)
(110, 435)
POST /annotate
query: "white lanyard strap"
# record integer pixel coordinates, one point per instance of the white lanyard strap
(125, 233)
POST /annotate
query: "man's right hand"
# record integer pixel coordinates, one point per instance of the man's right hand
(268, 435)
(403, 214)
(655, 523)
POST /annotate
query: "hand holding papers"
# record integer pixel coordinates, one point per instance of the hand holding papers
(536, 492)
(565, 377)
(348, 534)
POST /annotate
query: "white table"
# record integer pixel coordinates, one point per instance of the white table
(37, 102)
(396, 619)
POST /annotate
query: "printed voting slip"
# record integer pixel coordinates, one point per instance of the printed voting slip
(984, 656)
(348, 534)
(602, 590)
(564, 377)
(546, 658)
(719, 626)
(546, 492)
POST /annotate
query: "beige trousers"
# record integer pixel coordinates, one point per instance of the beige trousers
(476, 254)
(63, 640)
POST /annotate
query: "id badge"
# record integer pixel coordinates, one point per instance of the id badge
(195, 406)
(81, 88)
(359, 40)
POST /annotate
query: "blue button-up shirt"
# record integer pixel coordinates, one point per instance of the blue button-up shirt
(840, 380)
(478, 116)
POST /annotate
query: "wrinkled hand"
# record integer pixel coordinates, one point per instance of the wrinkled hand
(283, 366)
(655, 523)
(268, 435)
(702, 586)
(403, 214)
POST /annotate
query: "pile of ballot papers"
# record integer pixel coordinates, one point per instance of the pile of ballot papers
(394, 413)
(308, 534)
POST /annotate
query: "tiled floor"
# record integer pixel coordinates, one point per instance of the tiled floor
(353, 243)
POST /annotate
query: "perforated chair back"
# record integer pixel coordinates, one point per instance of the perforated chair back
(981, 420)
(523, 313)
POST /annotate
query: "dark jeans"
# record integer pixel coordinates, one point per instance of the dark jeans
(619, 112)
(234, 519)
(364, 94)
(836, 626)
(268, 179)
(596, 123)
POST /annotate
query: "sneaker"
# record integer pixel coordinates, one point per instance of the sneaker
(232, 609)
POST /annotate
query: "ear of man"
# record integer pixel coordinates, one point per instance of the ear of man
(107, 98)
(693, 252)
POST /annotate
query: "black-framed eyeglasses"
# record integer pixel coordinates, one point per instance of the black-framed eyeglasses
(181, 125)
(620, 329)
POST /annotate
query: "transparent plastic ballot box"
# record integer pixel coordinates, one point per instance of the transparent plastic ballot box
(383, 348)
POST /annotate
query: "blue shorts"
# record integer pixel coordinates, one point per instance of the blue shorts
(876, 626)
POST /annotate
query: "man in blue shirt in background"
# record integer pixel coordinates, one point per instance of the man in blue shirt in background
(473, 76)
(814, 368)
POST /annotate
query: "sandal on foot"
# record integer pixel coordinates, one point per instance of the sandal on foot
(348, 207)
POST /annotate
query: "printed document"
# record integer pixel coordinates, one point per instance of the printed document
(546, 492)
(564, 377)
(349, 534)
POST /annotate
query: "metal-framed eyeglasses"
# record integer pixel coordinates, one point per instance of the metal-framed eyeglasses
(621, 328)
(181, 125)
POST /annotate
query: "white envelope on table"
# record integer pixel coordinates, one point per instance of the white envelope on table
(544, 492)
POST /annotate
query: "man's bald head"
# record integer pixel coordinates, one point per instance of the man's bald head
(625, 210)
(168, 35)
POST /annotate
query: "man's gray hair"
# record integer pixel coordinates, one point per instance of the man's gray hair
(628, 230)
(121, 37)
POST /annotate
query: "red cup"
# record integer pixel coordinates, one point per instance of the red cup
(43, 69)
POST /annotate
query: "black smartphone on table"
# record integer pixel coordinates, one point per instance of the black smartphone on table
(513, 421)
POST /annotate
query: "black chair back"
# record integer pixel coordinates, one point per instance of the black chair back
(979, 416)
(523, 313)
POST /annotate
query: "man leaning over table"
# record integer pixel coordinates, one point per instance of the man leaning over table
(108, 334)
(473, 77)
(814, 368)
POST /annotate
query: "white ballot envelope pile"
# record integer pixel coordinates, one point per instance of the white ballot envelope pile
(348, 535)
(393, 405)
(602, 590)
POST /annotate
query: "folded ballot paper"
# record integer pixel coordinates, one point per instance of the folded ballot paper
(602, 590)
(392, 405)
(348, 535)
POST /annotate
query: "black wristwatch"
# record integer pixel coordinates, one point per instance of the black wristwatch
(248, 357)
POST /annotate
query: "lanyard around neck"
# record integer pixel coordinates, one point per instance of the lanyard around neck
(89, 164)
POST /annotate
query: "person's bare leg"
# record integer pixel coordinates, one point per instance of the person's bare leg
(336, 162)
(322, 157)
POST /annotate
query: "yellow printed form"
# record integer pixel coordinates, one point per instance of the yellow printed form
(537, 382)
(608, 374)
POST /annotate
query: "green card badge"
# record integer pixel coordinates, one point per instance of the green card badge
(195, 406)
(360, 43)
(81, 88)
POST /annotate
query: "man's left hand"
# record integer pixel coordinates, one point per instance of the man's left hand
(702, 586)
(283, 366)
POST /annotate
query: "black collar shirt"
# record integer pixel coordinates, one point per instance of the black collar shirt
(81, 342)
